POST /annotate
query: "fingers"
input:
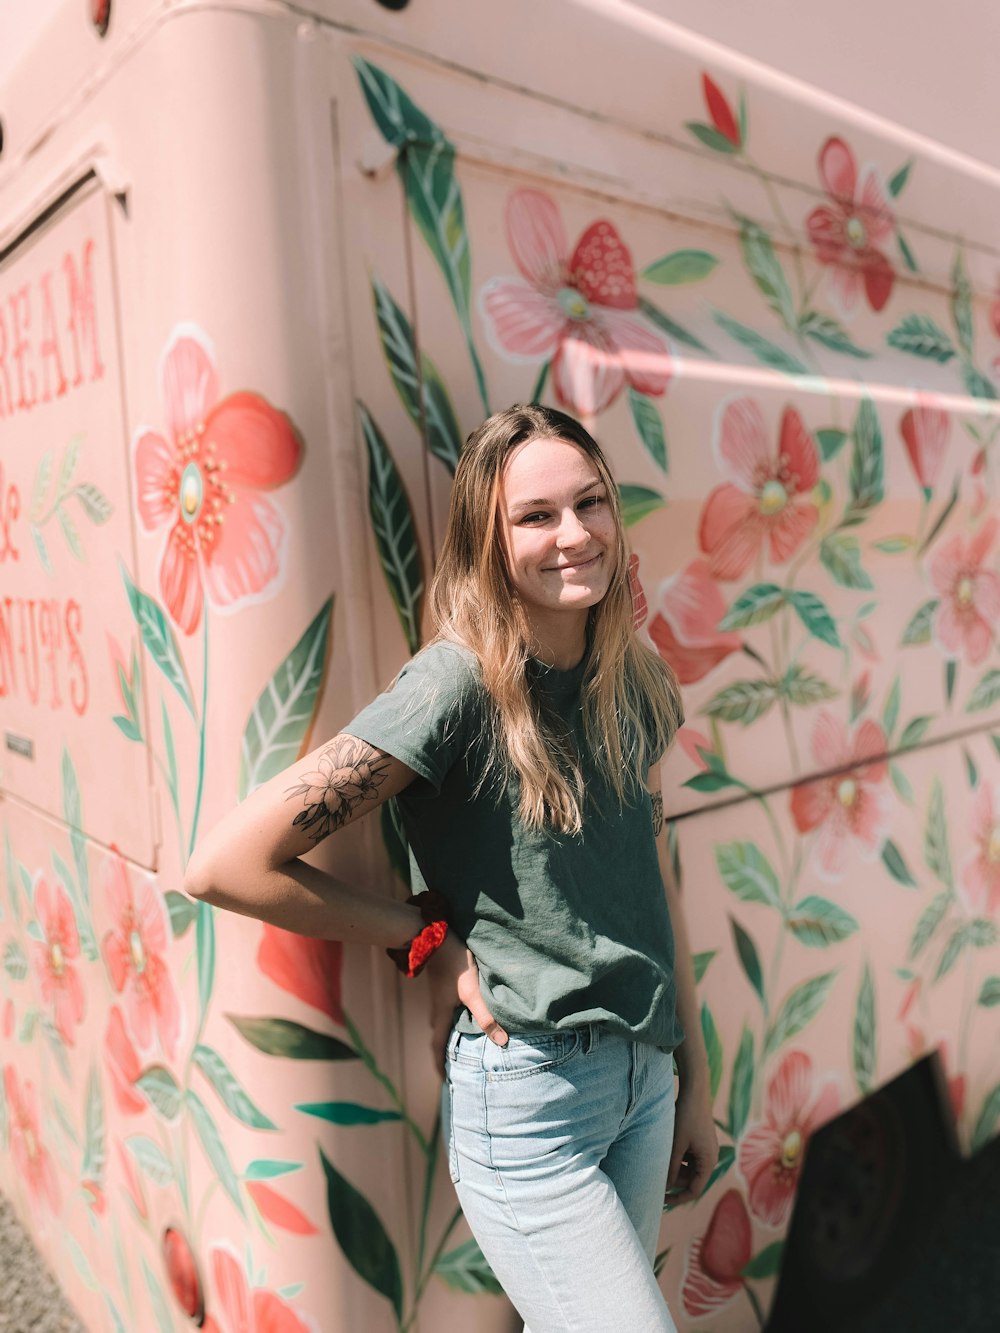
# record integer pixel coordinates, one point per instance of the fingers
(490, 1026)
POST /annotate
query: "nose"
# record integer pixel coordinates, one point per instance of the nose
(571, 531)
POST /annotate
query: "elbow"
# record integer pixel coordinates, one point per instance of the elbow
(199, 881)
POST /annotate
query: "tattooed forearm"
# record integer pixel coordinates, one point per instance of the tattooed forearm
(348, 773)
(656, 798)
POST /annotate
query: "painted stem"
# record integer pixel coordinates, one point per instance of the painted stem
(428, 1272)
(543, 376)
(368, 1060)
(755, 1303)
(201, 740)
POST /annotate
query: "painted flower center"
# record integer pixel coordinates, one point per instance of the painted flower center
(773, 497)
(57, 959)
(192, 492)
(993, 846)
(856, 234)
(790, 1150)
(574, 304)
(137, 951)
(964, 592)
(847, 793)
(30, 1143)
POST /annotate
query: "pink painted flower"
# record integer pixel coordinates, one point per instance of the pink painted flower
(850, 806)
(767, 497)
(770, 1154)
(134, 952)
(685, 629)
(714, 1271)
(31, 1158)
(579, 308)
(205, 479)
(692, 742)
(55, 958)
(723, 118)
(981, 874)
(123, 1064)
(307, 968)
(925, 430)
(969, 595)
(183, 1274)
(848, 232)
(244, 1309)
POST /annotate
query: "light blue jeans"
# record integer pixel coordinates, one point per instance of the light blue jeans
(559, 1145)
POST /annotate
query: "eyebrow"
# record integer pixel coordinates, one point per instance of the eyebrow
(533, 504)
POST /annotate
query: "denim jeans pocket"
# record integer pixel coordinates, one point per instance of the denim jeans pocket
(529, 1053)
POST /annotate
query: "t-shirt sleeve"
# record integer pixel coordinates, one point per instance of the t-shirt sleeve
(426, 716)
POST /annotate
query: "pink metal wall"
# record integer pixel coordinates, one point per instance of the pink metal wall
(282, 265)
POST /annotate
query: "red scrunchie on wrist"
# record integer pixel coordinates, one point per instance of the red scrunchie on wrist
(412, 958)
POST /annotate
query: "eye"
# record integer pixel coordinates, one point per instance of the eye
(591, 502)
(535, 518)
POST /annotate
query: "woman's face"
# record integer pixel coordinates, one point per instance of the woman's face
(558, 530)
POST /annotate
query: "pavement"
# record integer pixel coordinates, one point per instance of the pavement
(30, 1298)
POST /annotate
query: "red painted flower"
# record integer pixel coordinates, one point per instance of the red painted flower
(307, 968)
(96, 1199)
(925, 430)
(182, 1273)
(578, 309)
(692, 742)
(715, 1261)
(205, 480)
(766, 499)
(245, 1309)
(848, 232)
(31, 1158)
(55, 958)
(851, 805)
(685, 629)
(969, 595)
(134, 952)
(123, 1064)
(981, 874)
(278, 1210)
(720, 111)
(770, 1155)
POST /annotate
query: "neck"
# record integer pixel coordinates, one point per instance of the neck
(559, 642)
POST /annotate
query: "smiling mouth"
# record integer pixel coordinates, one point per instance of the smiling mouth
(573, 569)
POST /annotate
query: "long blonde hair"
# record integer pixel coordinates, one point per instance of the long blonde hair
(630, 697)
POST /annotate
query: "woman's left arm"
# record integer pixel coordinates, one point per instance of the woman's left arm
(696, 1147)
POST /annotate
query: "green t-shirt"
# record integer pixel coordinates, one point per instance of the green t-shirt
(566, 928)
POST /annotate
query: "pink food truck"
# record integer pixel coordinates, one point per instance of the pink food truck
(263, 266)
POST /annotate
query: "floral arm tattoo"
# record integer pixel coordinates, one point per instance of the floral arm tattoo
(657, 802)
(348, 773)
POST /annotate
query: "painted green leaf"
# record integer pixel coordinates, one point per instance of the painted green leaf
(745, 701)
(95, 1155)
(741, 1084)
(638, 501)
(421, 389)
(649, 426)
(909, 259)
(919, 628)
(986, 693)
(40, 547)
(204, 936)
(802, 688)
(164, 1319)
(989, 995)
(215, 1149)
(828, 332)
(765, 268)
(709, 782)
(867, 476)
(976, 382)
(159, 638)
(864, 1048)
(362, 1237)
(181, 910)
(150, 1159)
(681, 266)
(950, 676)
(767, 1263)
(267, 1168)
(70, 533)
(817, 922)
(895, 545)
(42, 478)
(127, 727)
(749, 958)
(831, 440)
(759, 603)
(987, 1121)
(767, 352)
(727, 1156)
(700, 962)
(746, 871)
(171, 756)
(158, 1085)
(936, 850)
(346, 1113)
(15, 960)
(801, 1007)
(957, 941)
(278, 728)
(79, 1260)
(813, 613)
(465, 1269)
(399, 119)
(919, 335)
(94, 502)
(900, 178)
(914, 732)
(982, 932)
(711, 138)
(232, 1095)
(73, 814)
(892, 859)
(942, 518)
(890, 713)
(961, 303)
(927, 924)
(282, 1036)
(670, 327)
(713, 1048)
(840, 554)
(395, 531)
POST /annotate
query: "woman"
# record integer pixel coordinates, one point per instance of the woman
(523, 747)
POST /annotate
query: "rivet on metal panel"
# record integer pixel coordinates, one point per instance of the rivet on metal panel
(307, 31)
